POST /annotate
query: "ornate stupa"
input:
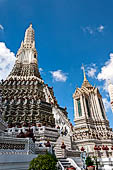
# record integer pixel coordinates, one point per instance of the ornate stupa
(91, 123)
(26, 99)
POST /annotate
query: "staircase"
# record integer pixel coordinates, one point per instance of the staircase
(65, 164)
(78, 161)
(67, 141)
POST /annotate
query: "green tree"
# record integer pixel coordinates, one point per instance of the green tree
(89, 161)
(43, 162)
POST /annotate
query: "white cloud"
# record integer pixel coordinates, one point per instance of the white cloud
(40, 69)
(106, 72)
(100, 28)
(92, 30)
(82, 67)
(88, 29)
(91, 72)
(1, 27)
(59, 75)
(106, 104)
(7, 60)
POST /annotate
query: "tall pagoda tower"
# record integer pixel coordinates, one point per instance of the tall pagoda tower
(91, 124)
(23, 98)
(26, 99)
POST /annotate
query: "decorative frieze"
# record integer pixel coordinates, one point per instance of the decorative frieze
(12, 146)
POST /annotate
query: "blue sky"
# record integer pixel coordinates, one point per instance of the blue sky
(68, 33)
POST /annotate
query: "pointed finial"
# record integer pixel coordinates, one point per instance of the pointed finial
(85, 79)
(29, 37)
(30, 25)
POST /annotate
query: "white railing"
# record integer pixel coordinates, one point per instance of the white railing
(73, 163)
(61, 165)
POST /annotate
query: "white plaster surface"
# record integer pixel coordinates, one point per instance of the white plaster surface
(15, 162)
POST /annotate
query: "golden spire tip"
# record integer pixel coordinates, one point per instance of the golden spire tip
(30, 25)
(85, 79)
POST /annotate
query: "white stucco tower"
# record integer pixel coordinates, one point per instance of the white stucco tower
(110, 89)
(26, 65)
(27, 52)
(88, 105)
(91, 124)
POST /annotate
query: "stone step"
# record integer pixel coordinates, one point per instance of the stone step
(59, 156)
(66, 166)
(62, 159)
(67, 142)
(78, 162)
(65, 163)
(58, 153)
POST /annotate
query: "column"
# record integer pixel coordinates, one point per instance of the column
(98, 108)
(82, 105)
(76, 108)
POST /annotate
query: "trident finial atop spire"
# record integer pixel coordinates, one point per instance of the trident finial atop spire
(85, 79)
(30, 25)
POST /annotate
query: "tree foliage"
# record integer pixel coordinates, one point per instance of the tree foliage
(89, 161)
(43, 162)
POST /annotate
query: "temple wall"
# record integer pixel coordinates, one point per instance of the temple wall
(15, 161)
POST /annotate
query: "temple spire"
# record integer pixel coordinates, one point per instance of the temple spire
(85, 82)
(85, 79)
(29, 39)
(26, 64)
